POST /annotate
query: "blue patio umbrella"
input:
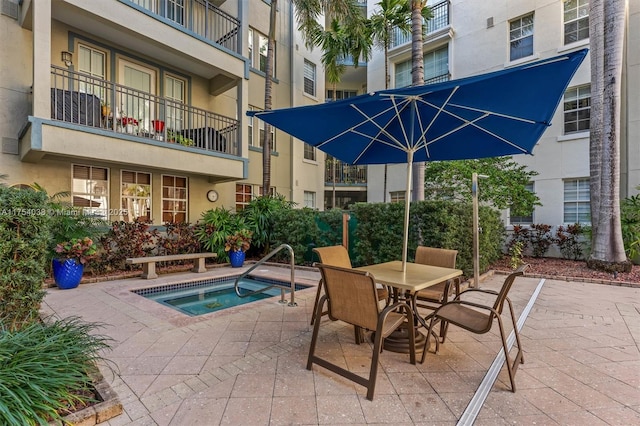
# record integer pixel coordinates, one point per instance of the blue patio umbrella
(489, 115)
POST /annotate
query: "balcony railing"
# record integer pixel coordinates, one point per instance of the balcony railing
(200, 17)
(440, 20)
(345, 174)
(438, 79)
(88, 101)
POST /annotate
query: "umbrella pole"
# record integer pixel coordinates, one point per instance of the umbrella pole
(407, 204)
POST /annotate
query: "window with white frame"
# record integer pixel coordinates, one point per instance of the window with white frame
(309, 152)
(261, 131)
(436, 65)
(244, 195)
(90, 189)
(397, 196)
(135, 193)
(577, 109)
(250, 43)
(174, 198)
(92, 62)
(521, 37)
(526, 219)
(310, 199)
(402, 74)
(250, 126)
(576, 20)
(577, 204)
(174, 89)
(263, 46)
(259, 61)
(341, 94)
(175, 10)
(309, 78)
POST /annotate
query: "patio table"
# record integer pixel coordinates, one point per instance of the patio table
(407, 284)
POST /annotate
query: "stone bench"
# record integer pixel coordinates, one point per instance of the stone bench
(149, 262)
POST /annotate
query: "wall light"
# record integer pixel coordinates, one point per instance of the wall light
(67, 58)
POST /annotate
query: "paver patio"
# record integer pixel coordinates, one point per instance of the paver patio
(246, 365)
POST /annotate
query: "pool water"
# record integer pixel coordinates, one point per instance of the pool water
(202, 297)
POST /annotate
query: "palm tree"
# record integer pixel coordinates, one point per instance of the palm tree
(606, 33)
(268, 81)
(391, 14)
(419, 11)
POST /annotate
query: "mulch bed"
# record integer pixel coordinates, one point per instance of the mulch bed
(571, 270)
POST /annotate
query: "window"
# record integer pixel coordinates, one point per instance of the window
(521, 37)
(436, 65)
(90, 190)
(309, 78)
(403, 74)
(310, 199)
(397, 196)
(272, 191)
(523, 220)
(577, 109)
(174, 89)
(577, 205)
(136, 196)
(250, 126)
(263, 46)
(309, 152)
(244, 194)
(250, 42)
(576, 20)
(341, 94)
(174, 198)
(92, 62)
(262, 134)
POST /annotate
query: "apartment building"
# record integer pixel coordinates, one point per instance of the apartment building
(137, 107)
(467, 37)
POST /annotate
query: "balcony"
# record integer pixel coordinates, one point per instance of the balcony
(345, 174)
(439, 21)
(100, 120)
(200, 17)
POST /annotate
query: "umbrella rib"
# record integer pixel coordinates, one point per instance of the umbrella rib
(497, 114)
(439, 109)
(371, 120)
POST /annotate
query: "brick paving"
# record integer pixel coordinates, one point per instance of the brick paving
(246, 365)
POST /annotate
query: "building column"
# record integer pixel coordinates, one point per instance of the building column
(42, 58)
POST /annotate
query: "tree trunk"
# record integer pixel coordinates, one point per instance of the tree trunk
(606, 32)
(417, 79)
(268, 81)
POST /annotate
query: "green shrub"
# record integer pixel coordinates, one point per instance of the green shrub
(296, 227)
(214, 228)
(24, 241)
(630, 221)
(258, 218)
(127, 239)
(44, 367)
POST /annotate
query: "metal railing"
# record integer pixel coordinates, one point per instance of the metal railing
(89, 101)
(344, 173)
(440, 19)
(292, 265)
(200, 17)
(438, 78)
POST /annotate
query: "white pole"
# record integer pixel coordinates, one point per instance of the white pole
(476, 239)
(407, 204)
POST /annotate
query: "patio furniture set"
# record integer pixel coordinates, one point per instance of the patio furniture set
(391, 302)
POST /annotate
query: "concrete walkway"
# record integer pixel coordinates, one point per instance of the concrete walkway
(246, 365)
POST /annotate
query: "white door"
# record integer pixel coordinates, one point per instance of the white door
(137, 100)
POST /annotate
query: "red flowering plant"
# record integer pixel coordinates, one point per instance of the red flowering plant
(80, 249)
(129, 120)
(240, 241)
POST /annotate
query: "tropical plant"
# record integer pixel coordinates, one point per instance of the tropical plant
(630, 221)
(258, 218)
(173, 136)
(515, 255)
(606, 38)
(47, 367)
(24, 243)
(79, 249)
(214, 227)
(540, 238)
(568, 241)
(125, 240)
(238, 241)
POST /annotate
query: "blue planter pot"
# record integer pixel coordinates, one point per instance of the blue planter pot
(236, 258)
(67, 273)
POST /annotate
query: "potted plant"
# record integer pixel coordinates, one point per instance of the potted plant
(175, 137)
(68, 265)
(236, 245)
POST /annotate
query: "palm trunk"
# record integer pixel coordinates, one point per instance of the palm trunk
(268, 81)
(417, 78)
(606, 21)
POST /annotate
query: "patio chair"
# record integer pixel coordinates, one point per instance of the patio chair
(436, 295)
(479, 318)
(339, 256)
(351, 296)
